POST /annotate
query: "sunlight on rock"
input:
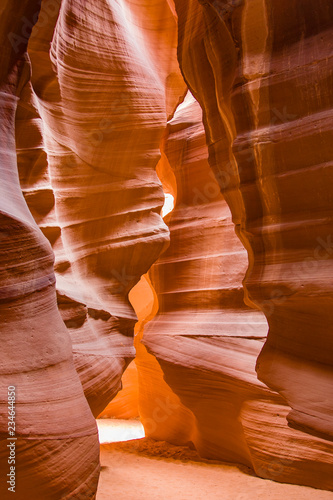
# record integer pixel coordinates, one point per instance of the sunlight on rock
(168, 204)
(114, 430)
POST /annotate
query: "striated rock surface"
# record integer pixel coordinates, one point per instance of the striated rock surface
(262, 72)
(203, 329)
(87, 127)
(126, 403)
(161, 411)
(207, 340)
(36, 352)
(106, 78)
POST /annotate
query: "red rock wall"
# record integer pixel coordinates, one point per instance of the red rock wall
(36, 353)
(262, 72)
(200, 299)
(207, 340)
(89, 128)
(106, 77)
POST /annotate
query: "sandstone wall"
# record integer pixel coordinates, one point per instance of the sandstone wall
(88, 127)
(106, 77)
(207, 340)
(262, 72)
(36, 351)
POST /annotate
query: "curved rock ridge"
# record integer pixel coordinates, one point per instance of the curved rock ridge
(126, 403)
(202, 325)
(160, 409)
(262, 72)
(207, 340)
(86, 124)
(46, 437)
(106, 77)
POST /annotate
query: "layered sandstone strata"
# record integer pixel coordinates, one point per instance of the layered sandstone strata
(106, 78)
(47, 438)
(207, 340)
(88, 130)
(203, 329)
(262, 72)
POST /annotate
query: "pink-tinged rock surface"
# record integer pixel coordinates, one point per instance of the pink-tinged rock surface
(262, 72)
(82, 138)
(207, 340)
(36, 351)
(106, 77)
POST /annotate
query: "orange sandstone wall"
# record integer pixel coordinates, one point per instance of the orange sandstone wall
(106, 77)
(207, 340)
(36, 352)
(87, 127)
(262, 72)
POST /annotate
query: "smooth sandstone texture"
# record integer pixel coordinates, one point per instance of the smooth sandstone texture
(126, 403)
(161, 411)
(207, 340)
(262, 72)
(89, 128)
(36, 351)
(106, 78)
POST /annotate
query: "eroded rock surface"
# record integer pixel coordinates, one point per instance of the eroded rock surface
(89, 126)
(106, 78)
(262, 72)
(36, 352)
(207, 340)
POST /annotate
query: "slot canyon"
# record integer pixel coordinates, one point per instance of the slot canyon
(166, 236)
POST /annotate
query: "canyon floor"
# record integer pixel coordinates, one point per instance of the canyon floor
(143, 469)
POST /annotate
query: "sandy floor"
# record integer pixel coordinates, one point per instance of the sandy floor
(146, 470)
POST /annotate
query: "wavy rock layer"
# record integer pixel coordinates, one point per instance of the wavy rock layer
(36, 353)
(163, 415)
(207, 341)
(106, 77)
(262, 72)
(126, 403)
(104, 81)
(203, 329)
